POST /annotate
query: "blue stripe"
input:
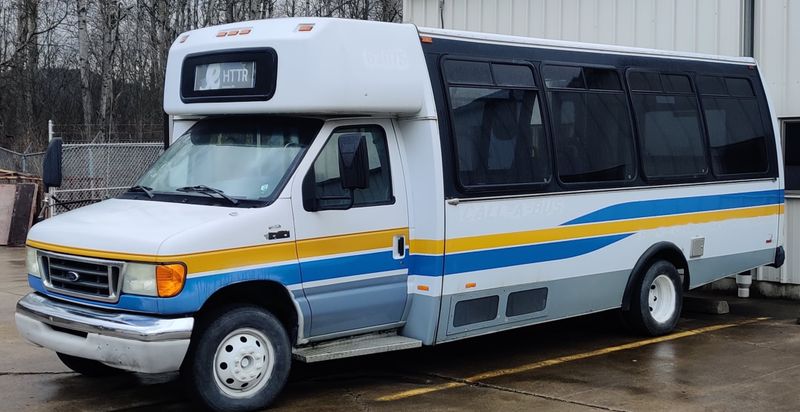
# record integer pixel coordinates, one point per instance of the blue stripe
(426, 265)
(350, 266)
(126, 302)
(674, 206)
(196, 291)
(521, 255)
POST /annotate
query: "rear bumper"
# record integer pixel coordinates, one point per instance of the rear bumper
(138, 343)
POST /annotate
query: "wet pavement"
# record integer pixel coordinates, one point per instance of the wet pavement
(746, 360)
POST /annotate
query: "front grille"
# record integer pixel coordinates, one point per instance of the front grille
(82, 277)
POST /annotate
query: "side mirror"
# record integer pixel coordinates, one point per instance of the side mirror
(353, 161)
(51, 166)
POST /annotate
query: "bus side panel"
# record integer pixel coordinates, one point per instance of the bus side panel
(422, 165)
(578, 249)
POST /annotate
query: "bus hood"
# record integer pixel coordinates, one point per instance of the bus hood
(153, 228)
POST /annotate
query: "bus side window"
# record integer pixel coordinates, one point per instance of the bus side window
(669, 125)
(497, 124)
(327, 182)
(499, 136)
(736, 134)
(591, 125)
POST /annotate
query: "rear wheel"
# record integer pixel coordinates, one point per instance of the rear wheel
(88, 367)
(656, 300)
(241, 360)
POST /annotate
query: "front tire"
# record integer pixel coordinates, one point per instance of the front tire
(88, 367)
(240, 361)
(656, 300)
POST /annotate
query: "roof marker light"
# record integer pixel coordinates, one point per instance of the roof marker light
(234, 32)
(471, 285)
(423, 288)
(305, 27)
(426, 39)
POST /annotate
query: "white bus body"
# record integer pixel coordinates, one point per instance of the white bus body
(407, 186)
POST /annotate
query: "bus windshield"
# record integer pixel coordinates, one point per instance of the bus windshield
(243, 160)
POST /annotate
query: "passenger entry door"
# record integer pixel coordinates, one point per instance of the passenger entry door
(352, 259)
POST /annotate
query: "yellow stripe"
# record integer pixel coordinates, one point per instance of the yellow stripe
(603, 228)
(563, 359)
(349, 243)
(427, 246)
(248, 256)
(195, 262)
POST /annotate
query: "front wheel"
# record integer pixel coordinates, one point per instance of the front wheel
(656, 300)
(241, 360)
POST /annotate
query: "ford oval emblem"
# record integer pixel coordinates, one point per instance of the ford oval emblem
(73, 276)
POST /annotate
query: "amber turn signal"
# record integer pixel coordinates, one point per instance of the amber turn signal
(170, 279)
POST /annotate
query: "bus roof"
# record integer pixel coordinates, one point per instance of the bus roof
(509, 40)
(325, 66)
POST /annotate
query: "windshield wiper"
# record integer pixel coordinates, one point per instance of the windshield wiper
(208, 191)
(144, 189)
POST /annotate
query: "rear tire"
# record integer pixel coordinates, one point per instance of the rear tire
(240, 360)
(656, 300)
(88, 367)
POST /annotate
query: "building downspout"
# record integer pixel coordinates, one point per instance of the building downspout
(748, 28)
(441, 14)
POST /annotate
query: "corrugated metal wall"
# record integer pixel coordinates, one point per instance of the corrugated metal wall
(777, 48)
(706, 26)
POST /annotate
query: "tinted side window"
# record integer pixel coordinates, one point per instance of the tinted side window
(563, 77)
(711, 85)
(645, 81)
(669, 125)
(327, 181)
(592, 133)
(513, 75)
(499, 136)
(469, 72)
(791, 147)
(736, 135)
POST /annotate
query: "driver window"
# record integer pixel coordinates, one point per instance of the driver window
(327, 182)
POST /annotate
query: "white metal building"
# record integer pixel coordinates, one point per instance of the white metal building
(768, 30)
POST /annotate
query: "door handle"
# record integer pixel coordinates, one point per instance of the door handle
(399, 251)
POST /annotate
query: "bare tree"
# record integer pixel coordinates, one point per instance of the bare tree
(110, 17)
(83, 64)
(100, 64)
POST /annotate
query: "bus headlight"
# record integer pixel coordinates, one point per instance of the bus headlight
(154, 279)
(139, 279)
(32, 262)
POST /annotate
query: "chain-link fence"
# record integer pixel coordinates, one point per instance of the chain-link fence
(115, 133)
(21, 162)
(97, 171)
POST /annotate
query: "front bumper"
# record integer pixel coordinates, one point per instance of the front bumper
(133, 342)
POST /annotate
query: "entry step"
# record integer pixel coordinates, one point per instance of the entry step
(355, 346)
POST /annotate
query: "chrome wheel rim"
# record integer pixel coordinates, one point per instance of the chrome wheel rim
(243, 362)
(662, 298)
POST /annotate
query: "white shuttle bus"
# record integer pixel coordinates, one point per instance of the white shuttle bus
(337, 188)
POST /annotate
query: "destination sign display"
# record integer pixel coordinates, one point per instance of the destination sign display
(225, 75)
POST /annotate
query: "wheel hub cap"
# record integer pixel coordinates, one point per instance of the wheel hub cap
(662, 298)
(243, 362)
